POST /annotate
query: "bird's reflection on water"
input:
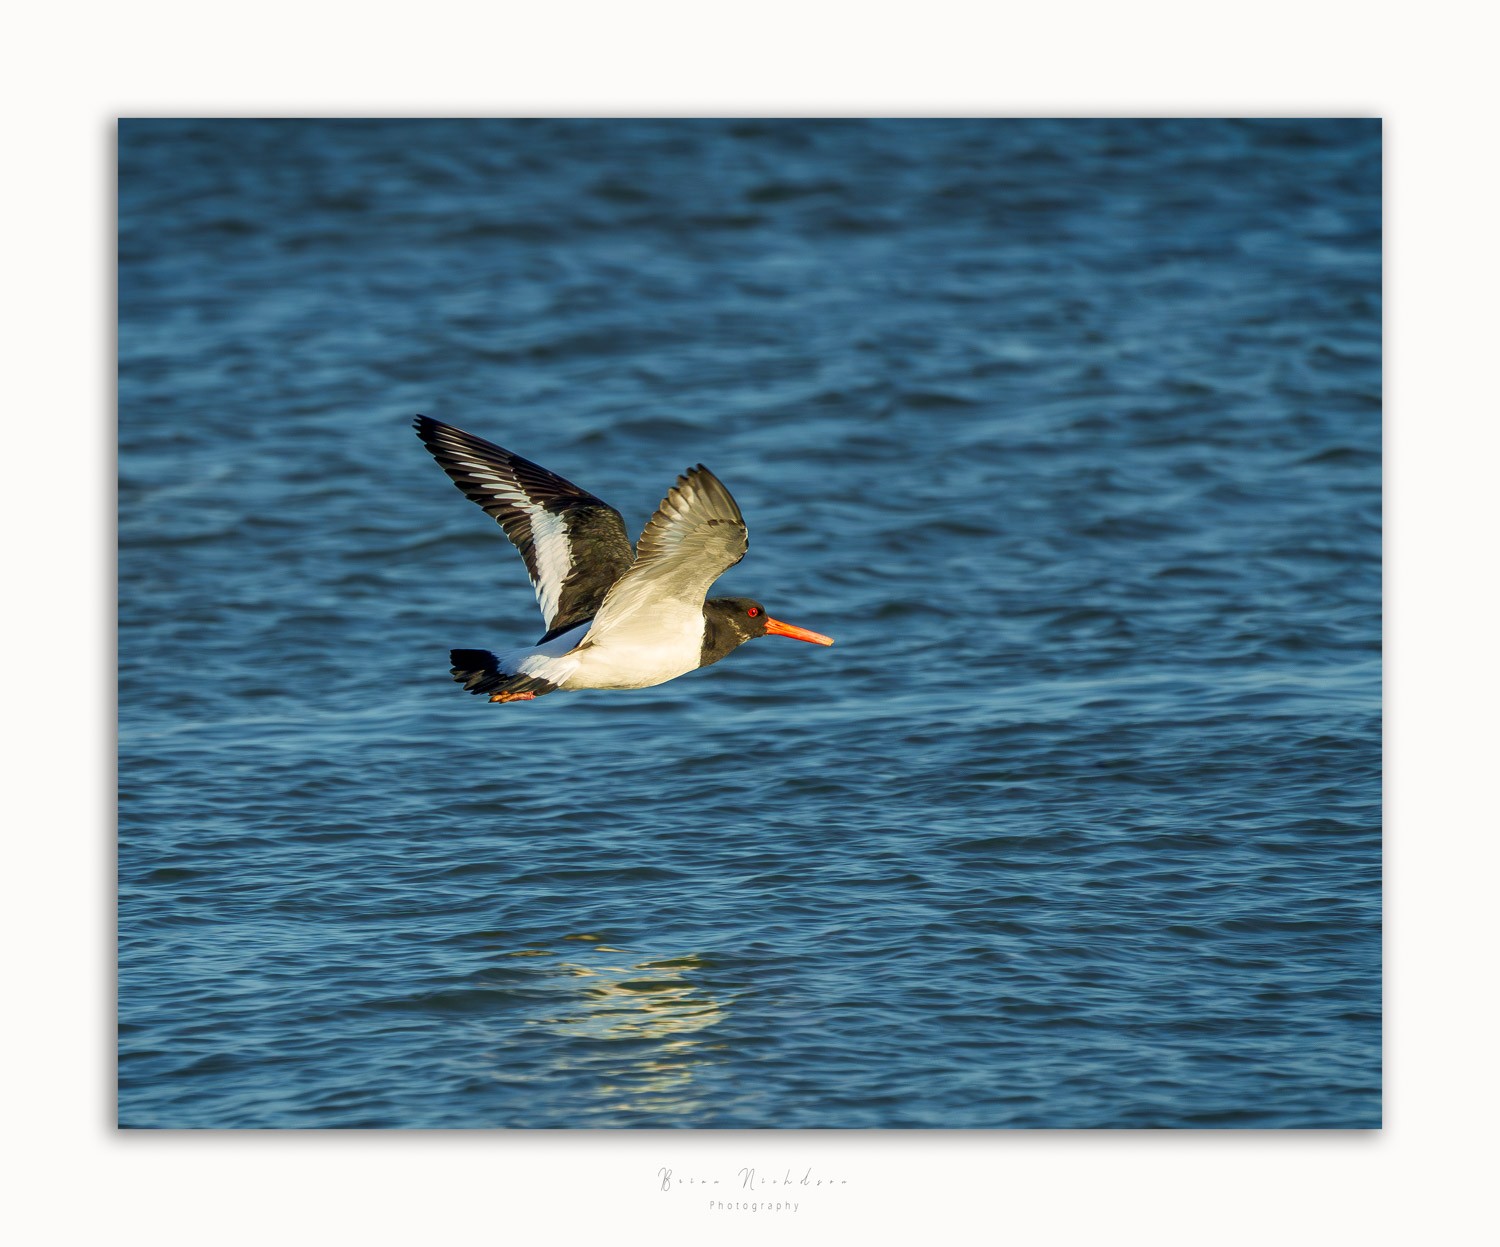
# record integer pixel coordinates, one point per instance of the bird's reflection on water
(635, 1027)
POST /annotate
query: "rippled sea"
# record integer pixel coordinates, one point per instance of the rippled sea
(1069, 432)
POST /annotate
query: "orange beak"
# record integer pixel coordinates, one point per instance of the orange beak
(774, 627)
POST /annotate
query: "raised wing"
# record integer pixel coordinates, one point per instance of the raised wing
(696, 535)
(574, 545)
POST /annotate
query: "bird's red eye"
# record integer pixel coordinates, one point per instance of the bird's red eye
(753, 611)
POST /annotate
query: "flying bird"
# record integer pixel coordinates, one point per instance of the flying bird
(616, 617)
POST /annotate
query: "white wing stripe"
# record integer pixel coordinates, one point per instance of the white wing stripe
(554, 559)
(549, 536)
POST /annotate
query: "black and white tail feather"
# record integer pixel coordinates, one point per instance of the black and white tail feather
(479, 671)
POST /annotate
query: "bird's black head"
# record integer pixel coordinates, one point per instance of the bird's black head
(729, 622)
(745, 618)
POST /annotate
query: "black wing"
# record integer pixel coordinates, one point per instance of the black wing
(574, 545)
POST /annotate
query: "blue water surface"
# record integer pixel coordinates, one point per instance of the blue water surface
(1069, 431)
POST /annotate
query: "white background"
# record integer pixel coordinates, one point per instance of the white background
(1429, 70)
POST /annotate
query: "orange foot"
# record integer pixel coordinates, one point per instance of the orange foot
(512, 696)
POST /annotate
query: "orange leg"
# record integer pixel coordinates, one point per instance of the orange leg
(512, 696)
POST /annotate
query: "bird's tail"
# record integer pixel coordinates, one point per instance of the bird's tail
(479, 671)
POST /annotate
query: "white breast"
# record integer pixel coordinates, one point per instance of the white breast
(641, 657)
(631, 658)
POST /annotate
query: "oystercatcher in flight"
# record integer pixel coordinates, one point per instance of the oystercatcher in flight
(616, 617)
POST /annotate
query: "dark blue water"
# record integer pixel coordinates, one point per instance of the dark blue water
(1068, 431)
